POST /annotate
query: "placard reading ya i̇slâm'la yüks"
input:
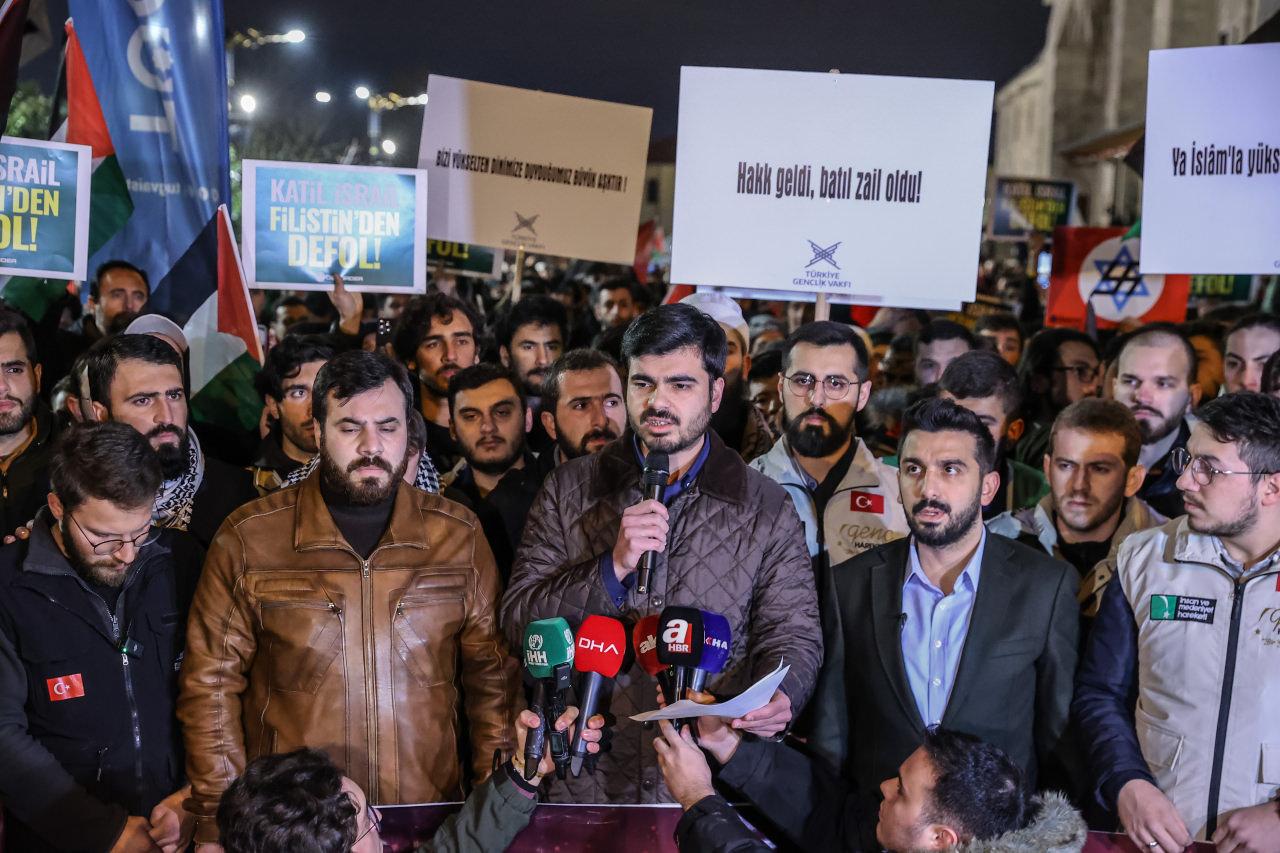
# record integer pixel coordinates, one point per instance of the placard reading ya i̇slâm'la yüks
(871, 186)
(515, 168)
(44, 208)
(302, 222)
(1211, 177)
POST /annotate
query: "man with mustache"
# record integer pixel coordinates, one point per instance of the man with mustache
(497, 477)
(137, 380)
(582, 406)
(530, 337)
(285, 385)
(950, 626)
(352, 613)
(1094, 476)
(738, 422)
(847, 499)
(1179, 684)
(1156, 380)
(26, 425)
(725, 538)
(435, 337)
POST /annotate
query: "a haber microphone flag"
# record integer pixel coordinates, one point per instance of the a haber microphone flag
(1100, 267)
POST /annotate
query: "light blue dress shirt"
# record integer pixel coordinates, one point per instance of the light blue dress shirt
(934, 632)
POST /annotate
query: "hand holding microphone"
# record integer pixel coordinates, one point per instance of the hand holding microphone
(600, 654)
(548, 660)
(680, 641)
(643, 531)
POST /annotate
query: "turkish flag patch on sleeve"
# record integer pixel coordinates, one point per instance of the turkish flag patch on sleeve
(866, 502)
(65, 687)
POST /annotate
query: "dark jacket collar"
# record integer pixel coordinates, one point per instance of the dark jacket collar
(272, 457)
(44, 557)
(724, 474)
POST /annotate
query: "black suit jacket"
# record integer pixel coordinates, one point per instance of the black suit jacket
(1013, 682)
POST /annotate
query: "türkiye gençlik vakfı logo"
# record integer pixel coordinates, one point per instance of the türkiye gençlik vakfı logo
(822, 269)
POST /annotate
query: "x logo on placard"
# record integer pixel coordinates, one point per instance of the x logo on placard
(525, 223)
(1121, 279)
(820, 253)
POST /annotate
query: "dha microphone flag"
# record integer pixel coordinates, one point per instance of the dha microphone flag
(601, 651)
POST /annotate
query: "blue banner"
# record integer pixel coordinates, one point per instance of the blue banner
(158, 67)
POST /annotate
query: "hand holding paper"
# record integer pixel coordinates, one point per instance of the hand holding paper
(753, 698)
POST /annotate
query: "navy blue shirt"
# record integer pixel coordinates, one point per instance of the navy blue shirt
(618, 589)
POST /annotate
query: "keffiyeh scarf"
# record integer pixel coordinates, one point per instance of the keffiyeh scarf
(427, 478)
(173, 504)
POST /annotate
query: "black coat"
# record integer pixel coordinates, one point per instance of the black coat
(1012, 685)
(72, 768)
(503, 511)
(222, 491)
(24, 488)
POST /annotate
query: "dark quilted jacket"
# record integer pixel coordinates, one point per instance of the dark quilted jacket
(736, 547)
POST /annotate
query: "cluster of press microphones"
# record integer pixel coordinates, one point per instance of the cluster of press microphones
(681, 648)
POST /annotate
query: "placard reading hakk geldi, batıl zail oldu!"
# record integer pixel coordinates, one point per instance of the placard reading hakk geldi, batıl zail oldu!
(303, 222)
(836, 183)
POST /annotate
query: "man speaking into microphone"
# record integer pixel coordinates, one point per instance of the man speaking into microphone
(724, 537)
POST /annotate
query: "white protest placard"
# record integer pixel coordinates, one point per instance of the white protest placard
(841, 183)
(514, 168)
(1211, 178)
(835, 298)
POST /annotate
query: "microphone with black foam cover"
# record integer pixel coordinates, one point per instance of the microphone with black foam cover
(716, 645)
(680, 642)
(600, 653)
(653, 481)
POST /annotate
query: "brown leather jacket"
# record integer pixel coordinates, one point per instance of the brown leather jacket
(294, 641)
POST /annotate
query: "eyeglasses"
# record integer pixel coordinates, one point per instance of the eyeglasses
(111, 546)
(804, 384)
(1201, 471)
(374, 818)
(1083, 372)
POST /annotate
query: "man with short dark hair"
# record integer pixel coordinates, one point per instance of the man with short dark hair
(582, 406)
(613, 304)
(985, 384)
(26, 425)
(530, 337)
(285, 382)
(137, 380)
(92, 609)
(1249, 343)
(1177, 690)
(1156, 380)
(1094, 475)
(847, 499)
(497, 477)
(319, 603)
(725, 538)
(763, 383)
(290, 311)
(940, 343)
(1059, 367)
(436, 336)
(948, 627)
(1207, 340)
(1002, 334)
(954, 792)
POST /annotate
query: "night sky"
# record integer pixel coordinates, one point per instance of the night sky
(607, 49)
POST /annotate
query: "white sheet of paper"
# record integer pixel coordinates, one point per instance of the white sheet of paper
(754, 697)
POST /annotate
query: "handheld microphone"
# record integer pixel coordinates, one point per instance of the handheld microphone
(600, 654)
(653, 480)
(680, 643)
(717, 643)
(644, 637)
(548, 659)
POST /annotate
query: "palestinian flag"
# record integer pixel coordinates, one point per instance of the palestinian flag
(109, 203)
(222, 333)
(1100, 268)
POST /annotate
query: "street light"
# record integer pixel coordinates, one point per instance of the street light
(252, 39)
(389, 147)
(362, 92)
(248, 103)
(295, 36)
(323, 97)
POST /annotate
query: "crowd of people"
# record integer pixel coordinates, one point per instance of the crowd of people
(1025, 581)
